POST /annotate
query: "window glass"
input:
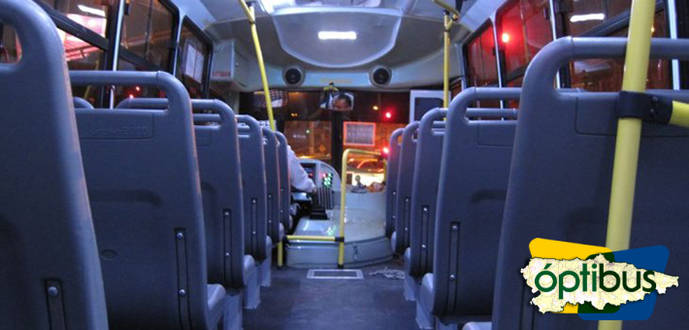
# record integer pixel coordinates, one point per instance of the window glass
(192, 62)
(10, 49)
(481, 65)
(80, 55)
(523, 29)
(310, 139)
(606, 74)
(582, 16)
(91, 14)
(147, 31)
(123, 92)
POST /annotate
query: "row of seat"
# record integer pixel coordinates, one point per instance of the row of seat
(176, 227)
(467, 199)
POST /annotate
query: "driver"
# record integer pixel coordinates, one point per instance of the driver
(297, 176)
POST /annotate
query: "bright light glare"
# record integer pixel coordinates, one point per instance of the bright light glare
(270, 5)
(505, 37)
(91, 10)
(587, 17)
(337, 35)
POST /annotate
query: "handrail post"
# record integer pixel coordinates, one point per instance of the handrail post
(450, 15)
(251, 17)
(628, 135)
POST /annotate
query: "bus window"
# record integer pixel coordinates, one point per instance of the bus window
(192, 59)
(10, 49)
(480, 54)
(606, 74)
(309, 139)
(123, 92)
(91, 14)
(81, 55)
(523, 29)
(582, 16)
(147, 31)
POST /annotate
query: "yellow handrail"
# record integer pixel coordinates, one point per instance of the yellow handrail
(628, 135)
(311, 238)
(450, 16)
(343, 195)
(251, 17)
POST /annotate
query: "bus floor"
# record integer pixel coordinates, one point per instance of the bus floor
(294, 302)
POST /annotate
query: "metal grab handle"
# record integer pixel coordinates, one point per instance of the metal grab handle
(174, 90)
(223, 111)
(545, 65)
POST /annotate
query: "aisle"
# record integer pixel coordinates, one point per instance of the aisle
(294, 302)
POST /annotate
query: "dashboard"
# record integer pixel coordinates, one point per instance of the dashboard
(321, 173)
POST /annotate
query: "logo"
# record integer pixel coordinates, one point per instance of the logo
(595, 282)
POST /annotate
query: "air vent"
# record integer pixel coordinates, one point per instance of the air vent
(335, 274)
(293, 76)
(381, 76)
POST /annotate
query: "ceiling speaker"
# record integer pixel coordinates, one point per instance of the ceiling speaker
(293, 76)
(381, 76)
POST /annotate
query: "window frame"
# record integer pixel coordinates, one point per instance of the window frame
(131, 57)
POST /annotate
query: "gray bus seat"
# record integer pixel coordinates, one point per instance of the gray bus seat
(270, 148)
(283, 162)
(145, 198)
(560, 178)
(50, 271)
(391, 184)
(471, 195)
(80, 102)
(419, 256)
(256, 239)
(217, 147)
(276, 230)
(407, 152)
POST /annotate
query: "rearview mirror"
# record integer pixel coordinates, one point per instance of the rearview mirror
(336, 100)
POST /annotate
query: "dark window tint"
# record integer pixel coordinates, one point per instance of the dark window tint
(123, 92)
(192, 62)
(481, 64)
(523, 29)
(10, 48)
(582, 16)
(91, 14)
(147, 31)
(606, 74)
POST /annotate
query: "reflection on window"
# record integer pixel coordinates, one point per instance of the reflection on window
(123, 92)
(481, 64)
(81, 55)
(91, 14)
(192, 62)
(10, 49)
(523, 29)
(147, 31)
(584, 15)
(309, 139)
(606, 74)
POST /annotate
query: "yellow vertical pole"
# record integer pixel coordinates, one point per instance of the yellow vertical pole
(251, 17)
(628, 135)
(447, 25)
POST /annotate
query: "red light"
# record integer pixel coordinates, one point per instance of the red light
(137, 88)
(386, 150)
(505, 37)
(388, 114)
(131, 96)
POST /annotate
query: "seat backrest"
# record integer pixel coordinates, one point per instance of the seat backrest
(51, 275)
(217, 148)
(425, 191)
(145, 195)
(405, 172)
(560, 183)
(471, 195)
(391, 177)
(254, 184)
(425, 184)
(283, 162)
(272, 167)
